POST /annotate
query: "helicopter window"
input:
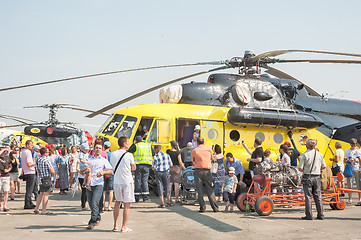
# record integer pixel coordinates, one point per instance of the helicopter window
(6, 139)
(234, 135)
(102, 127)
(143, 127)
(113, 124)
(212, 134)
(160, 131)
(261, 136)
(278, 138)
(303, 139)
(127, 127)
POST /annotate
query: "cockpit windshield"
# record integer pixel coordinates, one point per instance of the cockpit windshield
(127, 127)
(113, 124)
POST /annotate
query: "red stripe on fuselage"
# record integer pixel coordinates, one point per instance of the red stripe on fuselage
(356, 101)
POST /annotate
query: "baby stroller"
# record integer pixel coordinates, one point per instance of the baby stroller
(189, 193)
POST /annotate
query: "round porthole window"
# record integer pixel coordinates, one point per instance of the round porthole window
(260, 135)
(234, 135)
(278, 138)
(303, 139)
(212, 134)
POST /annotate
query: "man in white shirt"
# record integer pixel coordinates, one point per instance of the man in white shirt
(123, 165)
(99, 167)
(311, 163)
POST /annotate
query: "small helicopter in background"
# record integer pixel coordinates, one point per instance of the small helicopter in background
(231, 108)
(51, 131)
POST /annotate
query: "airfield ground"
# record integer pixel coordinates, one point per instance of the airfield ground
(178, 222)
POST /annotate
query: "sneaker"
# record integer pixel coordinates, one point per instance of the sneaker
(90, 227)
(231, 209)
(170, 204)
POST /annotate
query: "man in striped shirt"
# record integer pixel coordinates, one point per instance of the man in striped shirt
(161, 165)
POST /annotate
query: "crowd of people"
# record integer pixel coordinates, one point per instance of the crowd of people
(125, 172)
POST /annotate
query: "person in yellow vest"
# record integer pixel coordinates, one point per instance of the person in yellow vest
(143, 158)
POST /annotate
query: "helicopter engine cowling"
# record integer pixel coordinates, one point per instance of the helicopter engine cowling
(282, 175)
(241, 115)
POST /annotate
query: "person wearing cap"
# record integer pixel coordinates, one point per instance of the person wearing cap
(229, 187)
(143, 157)
(311, 164)
(108, 180)
(202, 158)
(186, 153)
(231, 161)
(293, 153)
(83, 159)
(196, 135)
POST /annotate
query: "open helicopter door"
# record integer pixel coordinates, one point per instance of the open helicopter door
(213, 133)
(160, 132)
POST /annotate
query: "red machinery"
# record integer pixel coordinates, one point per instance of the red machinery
(263, 200)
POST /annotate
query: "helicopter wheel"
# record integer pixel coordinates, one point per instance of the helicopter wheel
(264, 206)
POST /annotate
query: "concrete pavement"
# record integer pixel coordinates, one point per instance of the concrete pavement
(178, 222)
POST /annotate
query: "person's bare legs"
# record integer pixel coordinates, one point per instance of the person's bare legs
(18, 184)
(38, 201)
(6, 196)
(162, 200)
(12, 189)
(116, 214)
(126, 213)
(168, 199)
(170, 189)
(45, 201)
(70, 179)
(176, 191)
(1, 200)
(110, 198)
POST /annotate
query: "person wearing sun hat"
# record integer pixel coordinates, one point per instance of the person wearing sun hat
(229, 187)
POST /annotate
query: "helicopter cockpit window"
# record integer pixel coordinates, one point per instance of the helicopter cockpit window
(113, 124)
(143, 127)
(160, 132)
(6, 139)
(102, 127)
(127, 127)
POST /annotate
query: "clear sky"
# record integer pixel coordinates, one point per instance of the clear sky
(47, 40)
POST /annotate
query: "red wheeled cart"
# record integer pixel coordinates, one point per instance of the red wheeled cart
(263, 200)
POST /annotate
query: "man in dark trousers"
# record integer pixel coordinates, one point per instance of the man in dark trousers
(202, 158)
(311, 164)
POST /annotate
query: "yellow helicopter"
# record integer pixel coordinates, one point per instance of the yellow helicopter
(231, 108)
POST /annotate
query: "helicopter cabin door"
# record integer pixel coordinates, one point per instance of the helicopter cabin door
(213, 133)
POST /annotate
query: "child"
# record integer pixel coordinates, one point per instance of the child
(229, 187)
(84, 165)
(267, 153)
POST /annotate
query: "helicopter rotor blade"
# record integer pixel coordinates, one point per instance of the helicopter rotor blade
(280, 52)
(104, 109)
(109, 73)
(21, 125)
(84, 110)
(17, 119)
(278, 73)
(319, 61)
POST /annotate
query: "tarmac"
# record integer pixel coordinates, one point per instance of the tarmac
(177, 222)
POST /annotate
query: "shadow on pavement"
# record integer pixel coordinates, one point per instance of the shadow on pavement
(57, 228)
(201, 218)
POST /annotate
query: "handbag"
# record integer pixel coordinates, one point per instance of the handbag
(46, 182)
(335, 170)
(305, 180)
(348, 170)
(214, 168)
